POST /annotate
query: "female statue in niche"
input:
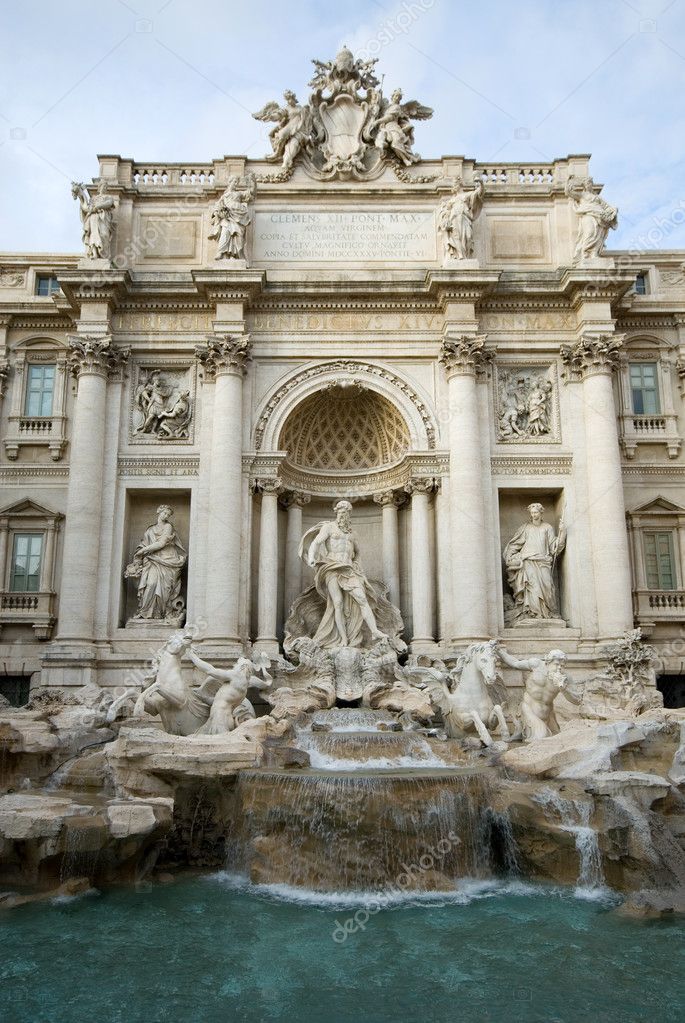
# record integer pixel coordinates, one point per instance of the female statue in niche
(157, 564)
(530, 557)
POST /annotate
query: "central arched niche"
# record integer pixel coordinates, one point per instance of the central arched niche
(345, 427)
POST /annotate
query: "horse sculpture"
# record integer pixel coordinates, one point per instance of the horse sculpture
(470, 696)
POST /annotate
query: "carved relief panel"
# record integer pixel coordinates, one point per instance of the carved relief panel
(526, 403)
(162, 403)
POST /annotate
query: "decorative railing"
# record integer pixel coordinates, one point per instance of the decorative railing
(516, 174)
(161, 175)
(35, 427)
(668, 599)
(659, 605)
(659, 429)
(34, 609)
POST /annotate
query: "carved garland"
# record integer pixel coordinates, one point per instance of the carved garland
(348, 367)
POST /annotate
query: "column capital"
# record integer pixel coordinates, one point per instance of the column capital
(224, 353)
(465, 354)
(96, 355)
(422, 485)
(268, 485)
(594, 353)
(390, 497)
(294, 498)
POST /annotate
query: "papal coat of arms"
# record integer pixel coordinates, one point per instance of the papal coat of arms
(347, 128)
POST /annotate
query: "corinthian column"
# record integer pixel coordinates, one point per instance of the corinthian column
(593, 360)
(92, 360)
(267, 586)
(390, 502)
(422, 574)
(464, 357)
(294, 501)
(224, 359)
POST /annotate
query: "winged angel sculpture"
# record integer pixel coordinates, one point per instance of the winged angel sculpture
(348, 128)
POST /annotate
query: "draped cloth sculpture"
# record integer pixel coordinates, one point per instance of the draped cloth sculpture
(97, 218)
(330, 548)
(157, 564)
(530, 558)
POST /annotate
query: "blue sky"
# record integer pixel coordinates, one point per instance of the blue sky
(508, 79)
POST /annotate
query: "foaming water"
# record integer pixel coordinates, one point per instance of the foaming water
(352, 719)
(347, 750)
(574, 817)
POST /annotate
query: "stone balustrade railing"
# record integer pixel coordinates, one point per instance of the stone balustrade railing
(517, 174)
(172, 175)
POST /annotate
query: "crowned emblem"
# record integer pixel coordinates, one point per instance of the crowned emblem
(347, 128)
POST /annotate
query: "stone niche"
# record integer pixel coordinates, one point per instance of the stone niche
(513, 513)
(141, 512)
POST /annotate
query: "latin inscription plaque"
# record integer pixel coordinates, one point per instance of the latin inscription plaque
(344, 236)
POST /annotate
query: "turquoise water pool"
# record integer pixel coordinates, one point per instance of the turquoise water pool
(214, 950)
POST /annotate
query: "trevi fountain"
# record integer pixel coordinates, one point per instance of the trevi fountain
(343, 568)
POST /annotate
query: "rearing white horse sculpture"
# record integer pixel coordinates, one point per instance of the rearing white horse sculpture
(465, 694)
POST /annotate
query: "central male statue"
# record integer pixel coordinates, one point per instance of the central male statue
(340, 582)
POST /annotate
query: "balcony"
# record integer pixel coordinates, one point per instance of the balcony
(658, 607)
(653, 429)
(34, 609)
(47, 431)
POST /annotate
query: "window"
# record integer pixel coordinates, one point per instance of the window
(26, 562)
(641, 284)
(15, 688)
(660, 561)
(46, 285)
(40, 388)
(644, 388)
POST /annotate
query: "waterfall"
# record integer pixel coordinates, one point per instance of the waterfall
(363, 831)
(346, 750)
(574, 817)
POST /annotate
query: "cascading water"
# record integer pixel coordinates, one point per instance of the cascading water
(378, 809)
(574, 817)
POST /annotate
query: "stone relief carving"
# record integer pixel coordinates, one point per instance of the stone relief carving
(97, 218)
(456, 216)
(673, 278)
(162, 405)
(157, 565)
(347, 128)
(530, 560)
(595, 218)
(11, 278)
(525, 403)
(231, 216)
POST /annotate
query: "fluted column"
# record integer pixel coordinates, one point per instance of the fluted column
(293, 501)
(224, 359)
(267, 584)
(92, 359)
(464, 357)
(390, 502)
(593, 360)
(422, 574)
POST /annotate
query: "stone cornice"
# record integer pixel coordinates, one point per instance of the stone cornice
(229, 285)
(225, 353)
(81, 286)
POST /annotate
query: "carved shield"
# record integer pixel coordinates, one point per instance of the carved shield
(343, 120)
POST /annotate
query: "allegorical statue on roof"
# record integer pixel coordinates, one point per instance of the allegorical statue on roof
(348, 128)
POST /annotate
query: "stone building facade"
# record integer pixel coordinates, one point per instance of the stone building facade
(442, 342)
